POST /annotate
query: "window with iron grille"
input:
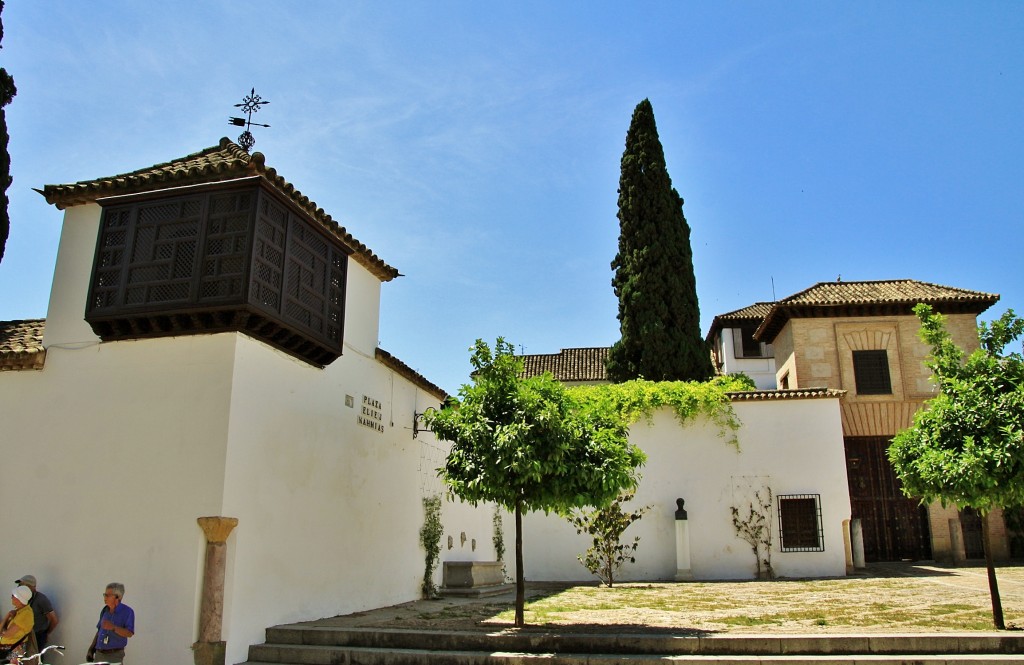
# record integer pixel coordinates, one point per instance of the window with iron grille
(871, 372)
(800, 523)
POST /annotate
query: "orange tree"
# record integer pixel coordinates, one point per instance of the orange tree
(967, 446)
(528, 444)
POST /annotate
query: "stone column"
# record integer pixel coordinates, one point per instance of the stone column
(857, 543)
(848, 547)
(683, 572)
(210, 650)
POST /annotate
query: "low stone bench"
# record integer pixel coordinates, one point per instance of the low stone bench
(473, 578)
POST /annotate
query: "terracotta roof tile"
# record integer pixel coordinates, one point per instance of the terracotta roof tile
(21, 344)
(802, 393)
(587, 364)
(884, 297)
(750, 314)
(897, 290)
(581, 364)
(411, 374)
(225, 161)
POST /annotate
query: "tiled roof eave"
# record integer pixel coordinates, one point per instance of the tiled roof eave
(409, 373)
(223, 162)
(796, 393)
(569, 365)
(66, 196)
(776, 320)
(22, 360)
(755, 314)
(21, 344)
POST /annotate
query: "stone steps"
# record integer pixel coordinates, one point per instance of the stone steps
(303, 644)
(355, 656)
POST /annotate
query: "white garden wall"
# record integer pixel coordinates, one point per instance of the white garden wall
(793, 446)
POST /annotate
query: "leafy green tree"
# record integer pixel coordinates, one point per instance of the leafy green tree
(967, 446)
(659, 318)
(526, 444)
(607, 553)
(7, 92)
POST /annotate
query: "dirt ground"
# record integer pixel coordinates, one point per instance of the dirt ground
(885, 598)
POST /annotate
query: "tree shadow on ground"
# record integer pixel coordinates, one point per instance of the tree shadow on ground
(916, 569)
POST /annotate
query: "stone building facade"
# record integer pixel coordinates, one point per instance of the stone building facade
(862, 338)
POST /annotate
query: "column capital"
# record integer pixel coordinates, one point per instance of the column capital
(217, 529)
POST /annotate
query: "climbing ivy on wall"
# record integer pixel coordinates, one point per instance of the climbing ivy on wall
(430, 539)
(690, 400)
(498, 538)
(754, 525)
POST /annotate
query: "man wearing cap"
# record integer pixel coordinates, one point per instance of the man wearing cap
(42, 609)
(17, 625)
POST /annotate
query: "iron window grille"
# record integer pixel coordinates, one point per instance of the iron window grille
(800, 523)
(871, 372)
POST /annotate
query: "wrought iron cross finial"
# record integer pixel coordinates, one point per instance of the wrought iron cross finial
(250, 104)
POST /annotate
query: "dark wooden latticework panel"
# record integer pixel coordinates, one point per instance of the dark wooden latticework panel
(220, 260)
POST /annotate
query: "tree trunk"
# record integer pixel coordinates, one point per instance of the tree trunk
(520, 582)
(993, 587)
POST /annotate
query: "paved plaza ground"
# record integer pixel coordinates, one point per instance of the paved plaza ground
(885, 598)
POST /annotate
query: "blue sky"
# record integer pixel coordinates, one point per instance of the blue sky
(476, 148)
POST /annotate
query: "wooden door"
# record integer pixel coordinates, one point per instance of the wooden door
(895, 527)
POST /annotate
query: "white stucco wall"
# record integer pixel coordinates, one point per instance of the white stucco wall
(125, 444)
(112, 444)
(65, 315)
(362, 310)
(329, 510)
(792, 446)
(121, 448)
(130, 442)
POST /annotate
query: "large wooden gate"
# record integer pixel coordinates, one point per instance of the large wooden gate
(895, 527)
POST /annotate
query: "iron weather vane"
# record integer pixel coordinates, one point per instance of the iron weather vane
(251, 103)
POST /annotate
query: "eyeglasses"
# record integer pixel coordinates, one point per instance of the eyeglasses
(107, 595)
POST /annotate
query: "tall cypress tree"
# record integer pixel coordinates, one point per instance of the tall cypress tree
(659, 318)
(7, 92)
